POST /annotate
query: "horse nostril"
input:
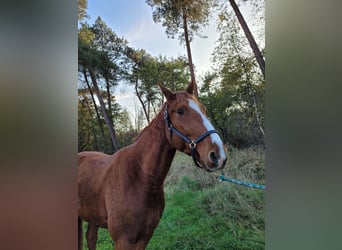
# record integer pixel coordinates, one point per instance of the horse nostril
(213, 157)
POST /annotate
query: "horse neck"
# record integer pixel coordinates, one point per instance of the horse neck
(156, 153)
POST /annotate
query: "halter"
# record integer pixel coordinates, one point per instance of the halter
(192, 143)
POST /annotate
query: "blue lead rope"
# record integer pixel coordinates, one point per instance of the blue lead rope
(252, 185)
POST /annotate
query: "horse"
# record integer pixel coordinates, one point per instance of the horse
(124, 192)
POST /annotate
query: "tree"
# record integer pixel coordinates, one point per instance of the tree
(88, 90)
(97, 62)
(112, 50)
(125, 130)
(230, 104)
(234, 95)
(90, 125)
(249, 36)
(109, 122)
(216, 101)
(87, 136)
(141, 69)
(183, 17)
(82, 9)
(174, 72)
(146, 72)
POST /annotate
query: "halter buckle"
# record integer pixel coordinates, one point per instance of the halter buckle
(192, 144)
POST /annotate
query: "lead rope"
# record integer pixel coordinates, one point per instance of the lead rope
(235, 181)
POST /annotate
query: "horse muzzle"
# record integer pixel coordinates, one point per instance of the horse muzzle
(213, 163)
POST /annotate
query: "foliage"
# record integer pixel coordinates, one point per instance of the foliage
(125, 130)
(145, 72)
(91, 134)
(87, 125)
(234, 94)
(82, 9)
(85, 35)
(101, 54)
(235, 103)
(110, 49)
(171, 13)
(184, 17)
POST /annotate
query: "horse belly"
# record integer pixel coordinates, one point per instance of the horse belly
(93, 215)
(91, 207)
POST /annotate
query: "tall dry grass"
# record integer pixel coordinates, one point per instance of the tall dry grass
(243, 164)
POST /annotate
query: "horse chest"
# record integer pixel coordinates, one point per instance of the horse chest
(137, 204)
(138, 213)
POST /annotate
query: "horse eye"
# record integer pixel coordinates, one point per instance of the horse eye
(180, 111)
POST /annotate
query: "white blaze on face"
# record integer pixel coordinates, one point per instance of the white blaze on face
(214, 137)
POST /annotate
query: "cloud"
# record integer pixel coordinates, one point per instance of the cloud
(142, 31)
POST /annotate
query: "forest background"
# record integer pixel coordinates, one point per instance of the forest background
(232, 87)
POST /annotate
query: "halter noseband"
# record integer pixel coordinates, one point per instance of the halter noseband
(192, 143)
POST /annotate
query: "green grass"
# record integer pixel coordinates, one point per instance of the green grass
(202, 213)
(215, 218)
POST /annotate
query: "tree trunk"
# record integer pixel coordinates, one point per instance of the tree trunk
(96, 110)
(92, 127)
(141, 101)
(250, 37)
(253, 95)
(188, 50)
(148, 106)
(115, 143)
(109, 99)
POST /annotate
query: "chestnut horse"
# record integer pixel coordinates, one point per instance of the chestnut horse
(124, 191)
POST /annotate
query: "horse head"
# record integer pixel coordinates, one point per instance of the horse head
(190, 131)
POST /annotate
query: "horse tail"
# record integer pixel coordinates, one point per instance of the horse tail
(80, 233)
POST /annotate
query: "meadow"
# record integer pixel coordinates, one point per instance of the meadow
(203, 213)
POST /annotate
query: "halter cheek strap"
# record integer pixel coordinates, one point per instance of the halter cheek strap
(192, 143)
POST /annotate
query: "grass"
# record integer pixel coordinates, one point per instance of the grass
(202, 213)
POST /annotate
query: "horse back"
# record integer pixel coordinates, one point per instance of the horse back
(91, 165)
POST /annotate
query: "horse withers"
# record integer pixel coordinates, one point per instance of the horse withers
(124, 191)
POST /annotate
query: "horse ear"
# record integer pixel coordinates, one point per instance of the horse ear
(192, 89)
(167, 93)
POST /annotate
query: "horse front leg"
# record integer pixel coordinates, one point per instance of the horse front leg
(124, 244)
(91, 236)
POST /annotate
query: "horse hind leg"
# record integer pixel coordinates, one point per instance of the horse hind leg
(91, 236)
